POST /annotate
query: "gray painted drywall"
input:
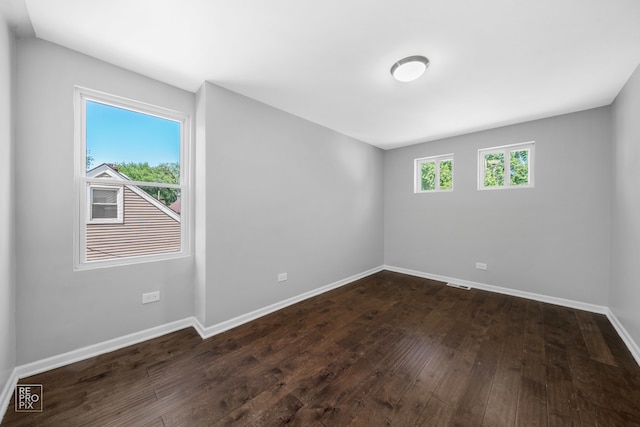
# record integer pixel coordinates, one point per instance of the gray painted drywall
(283, 195)
(59, 309)
(7, 259)
(552, 239)
(624, 291)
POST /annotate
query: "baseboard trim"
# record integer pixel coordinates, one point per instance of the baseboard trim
(210, 331)
(624, 334)
(7, 393)
(200, 329)
(84, 353)
(600, 309)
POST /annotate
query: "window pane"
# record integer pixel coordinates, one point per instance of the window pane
(140, 146)
(176, 205)
(148, 226)
(494, 170)
(165, 195)
(125, 145)
(446, 174)
(428, 176)
(105, 196)
(519, 165)
(104, 211)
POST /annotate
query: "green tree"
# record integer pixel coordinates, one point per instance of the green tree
(446, 174)
(428, 176)
(494, 170)
(90, 160)
(519, 165)
(168, 173)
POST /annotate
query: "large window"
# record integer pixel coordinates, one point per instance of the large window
(433, 174)
(131, 181)
(508, 166)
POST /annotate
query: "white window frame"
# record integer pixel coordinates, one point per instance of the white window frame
(417, 173)
(506, 150)
(119, 205)
(82, 182)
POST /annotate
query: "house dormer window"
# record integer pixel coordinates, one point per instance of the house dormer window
(105, 204)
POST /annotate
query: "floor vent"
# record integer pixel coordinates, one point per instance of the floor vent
(455, 285)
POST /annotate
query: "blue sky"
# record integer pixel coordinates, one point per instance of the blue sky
(116, 135)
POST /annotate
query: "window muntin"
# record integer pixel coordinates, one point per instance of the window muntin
(508, 166)
(433, 174)
(149, 218)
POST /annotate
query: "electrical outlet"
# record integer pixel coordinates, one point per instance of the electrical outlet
(151, 297)
(481, 266)
(282, 277)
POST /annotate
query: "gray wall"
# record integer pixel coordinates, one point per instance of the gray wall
(59, 309)
(552, 239)
(624, 292)
(7, 259)
(283, 195)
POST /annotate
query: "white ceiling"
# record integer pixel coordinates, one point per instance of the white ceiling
(493, 62)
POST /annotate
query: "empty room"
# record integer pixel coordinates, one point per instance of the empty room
(320, 213)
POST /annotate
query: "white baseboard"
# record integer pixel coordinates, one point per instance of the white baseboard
(7, 393)
(84, 353)
(600, 309)
(200, 329)
(624, 334)
(209, 331)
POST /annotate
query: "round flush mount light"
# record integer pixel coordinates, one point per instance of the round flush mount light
(409, 68)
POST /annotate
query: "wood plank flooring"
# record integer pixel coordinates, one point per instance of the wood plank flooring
(389, 350)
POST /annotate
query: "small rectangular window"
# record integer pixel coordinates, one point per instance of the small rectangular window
(106, 204)
(131, 177)
(434, 174)
(508, 166)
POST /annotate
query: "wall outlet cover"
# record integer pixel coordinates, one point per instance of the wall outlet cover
(151, 297)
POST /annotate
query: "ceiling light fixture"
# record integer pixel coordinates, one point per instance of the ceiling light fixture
(409, 68)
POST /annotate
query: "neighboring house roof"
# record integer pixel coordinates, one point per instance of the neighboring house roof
(105, 169)
(176, 206)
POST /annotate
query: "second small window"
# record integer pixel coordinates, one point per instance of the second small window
(434, 174)
(508, 166)
(106, 204)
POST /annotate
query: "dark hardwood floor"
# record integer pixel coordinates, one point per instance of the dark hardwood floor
(389, 349)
